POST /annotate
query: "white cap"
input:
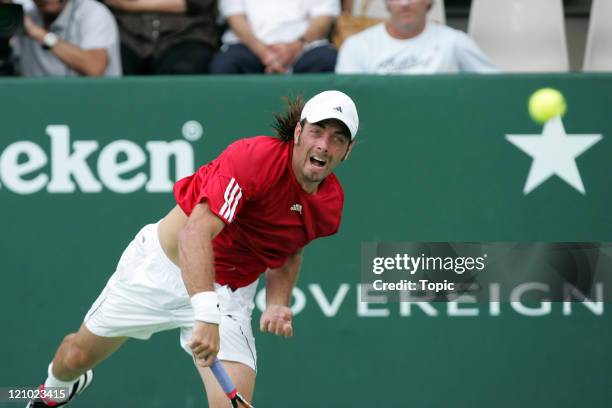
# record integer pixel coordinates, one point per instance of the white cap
(332, 105)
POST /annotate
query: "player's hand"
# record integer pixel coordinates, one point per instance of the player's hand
(204, 343)
(277, 319)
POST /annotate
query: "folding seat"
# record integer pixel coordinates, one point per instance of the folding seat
(598, 53)
(521, 35)
(378, 9)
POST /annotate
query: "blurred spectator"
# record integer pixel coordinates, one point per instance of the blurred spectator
(68, 38)
(277, 36)
(407, 43)
(166, 36)
(6, 67)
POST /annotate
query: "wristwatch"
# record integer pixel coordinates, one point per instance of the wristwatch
(50, 40)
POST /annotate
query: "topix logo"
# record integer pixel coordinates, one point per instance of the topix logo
(117, 165)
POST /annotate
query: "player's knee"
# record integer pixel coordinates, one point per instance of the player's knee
(78, 359)
(69, 339)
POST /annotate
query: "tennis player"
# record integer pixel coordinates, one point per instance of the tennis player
(250, 211)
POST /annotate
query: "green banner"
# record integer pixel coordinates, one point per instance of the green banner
(85, 163)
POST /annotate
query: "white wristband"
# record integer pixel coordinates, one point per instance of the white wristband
(206, 307)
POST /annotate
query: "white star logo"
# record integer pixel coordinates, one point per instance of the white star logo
(553, 152)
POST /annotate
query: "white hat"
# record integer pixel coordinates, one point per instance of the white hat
(332, 105)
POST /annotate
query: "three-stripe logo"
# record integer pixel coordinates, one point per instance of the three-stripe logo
(232, 196)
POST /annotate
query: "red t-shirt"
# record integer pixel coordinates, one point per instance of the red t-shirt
(268, 216)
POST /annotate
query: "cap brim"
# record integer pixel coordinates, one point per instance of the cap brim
(315, 118)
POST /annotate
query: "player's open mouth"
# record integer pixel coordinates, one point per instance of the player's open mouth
(317, 161)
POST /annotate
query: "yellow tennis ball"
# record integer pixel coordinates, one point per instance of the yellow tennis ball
(545, 104)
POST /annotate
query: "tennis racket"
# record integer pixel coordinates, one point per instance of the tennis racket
(228, 386)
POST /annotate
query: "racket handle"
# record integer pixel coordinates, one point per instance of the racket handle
(223, 378)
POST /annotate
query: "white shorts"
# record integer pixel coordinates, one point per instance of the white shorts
(147, 295)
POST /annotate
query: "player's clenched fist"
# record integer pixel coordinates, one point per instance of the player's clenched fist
(204, 342)
(277, 319)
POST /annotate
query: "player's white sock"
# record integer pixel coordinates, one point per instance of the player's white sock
(52, 381)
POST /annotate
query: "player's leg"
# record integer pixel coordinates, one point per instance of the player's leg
(238, 355)
(82, 351)
(71, 367)
(242, 376)
(237, 344)
(133, 304)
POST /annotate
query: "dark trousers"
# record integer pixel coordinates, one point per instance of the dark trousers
(186, 58)
(6, 65)
(239, 59)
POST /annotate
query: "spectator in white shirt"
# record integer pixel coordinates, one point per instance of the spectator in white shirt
(68, 38)
(277, 36)
(409, 44)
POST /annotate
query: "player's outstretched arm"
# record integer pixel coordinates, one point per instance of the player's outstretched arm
(196, 260)
(279, 284)
(196, 257)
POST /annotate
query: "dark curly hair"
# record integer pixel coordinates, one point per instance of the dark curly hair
(284, 123)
